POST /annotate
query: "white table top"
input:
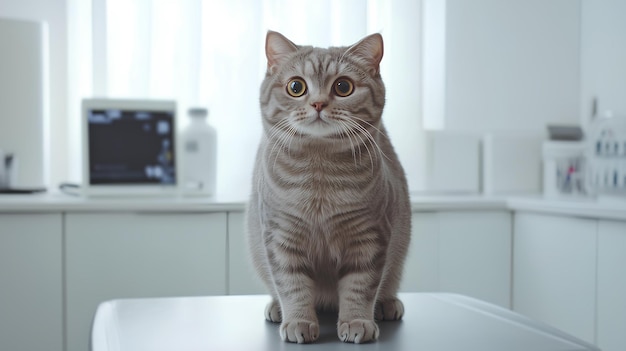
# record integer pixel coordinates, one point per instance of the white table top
(433, 322)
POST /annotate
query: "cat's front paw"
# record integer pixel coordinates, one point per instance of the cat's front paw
(273, 313)
(300, 331)
(358, 331)
(389, 310)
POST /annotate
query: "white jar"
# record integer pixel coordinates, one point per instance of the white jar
(199, 151)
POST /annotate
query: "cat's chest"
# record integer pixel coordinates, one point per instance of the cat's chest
(333, 183)
(319, 186)
(324, 197)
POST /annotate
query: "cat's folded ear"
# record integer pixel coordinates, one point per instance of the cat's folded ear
(277, 49)
(369, 50)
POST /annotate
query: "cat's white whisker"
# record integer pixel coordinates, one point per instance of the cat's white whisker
(354, 132)
(347, 132)
(351, 119)
(277, 128)
(371, 125)
(280, 134)
(341, 131)
(291, 133)
(276, 134)
(370, 137)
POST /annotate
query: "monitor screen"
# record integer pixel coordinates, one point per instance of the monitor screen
(131, 147)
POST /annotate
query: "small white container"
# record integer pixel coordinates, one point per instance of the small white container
(199, 151)
(453, 162)
(563, 168)
(511, 163)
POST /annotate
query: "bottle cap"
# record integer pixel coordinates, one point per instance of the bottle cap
(198, 112)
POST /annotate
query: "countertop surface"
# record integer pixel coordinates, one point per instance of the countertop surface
(432, 321)
(56, 202)
(601, 208)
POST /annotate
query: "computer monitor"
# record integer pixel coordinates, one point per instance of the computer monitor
(129, 147)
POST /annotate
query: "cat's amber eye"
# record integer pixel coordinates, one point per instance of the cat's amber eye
(343, 87)
(296, 87)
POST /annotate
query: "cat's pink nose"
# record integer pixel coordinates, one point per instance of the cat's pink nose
(319, 105)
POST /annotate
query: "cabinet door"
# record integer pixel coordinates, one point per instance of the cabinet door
(465, 252)
(242, 278)
(611, 285)
(111, 256)
(475, 254)
(554, 271)
(31, 301)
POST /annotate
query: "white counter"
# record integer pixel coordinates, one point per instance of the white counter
(579, 207)
(601, 208)
(62, 203)
(57, 202)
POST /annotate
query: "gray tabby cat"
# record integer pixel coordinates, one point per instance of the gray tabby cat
(329, 216)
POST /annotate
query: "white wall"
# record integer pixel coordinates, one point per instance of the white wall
(54, 13)
(603, 57)
(509, 65)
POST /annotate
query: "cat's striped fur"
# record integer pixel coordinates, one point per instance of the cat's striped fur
(329, 215)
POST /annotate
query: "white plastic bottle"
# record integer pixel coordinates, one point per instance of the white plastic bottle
(199, 144)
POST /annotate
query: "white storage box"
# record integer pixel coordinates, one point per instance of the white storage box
(511, 163)
(453, 162)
